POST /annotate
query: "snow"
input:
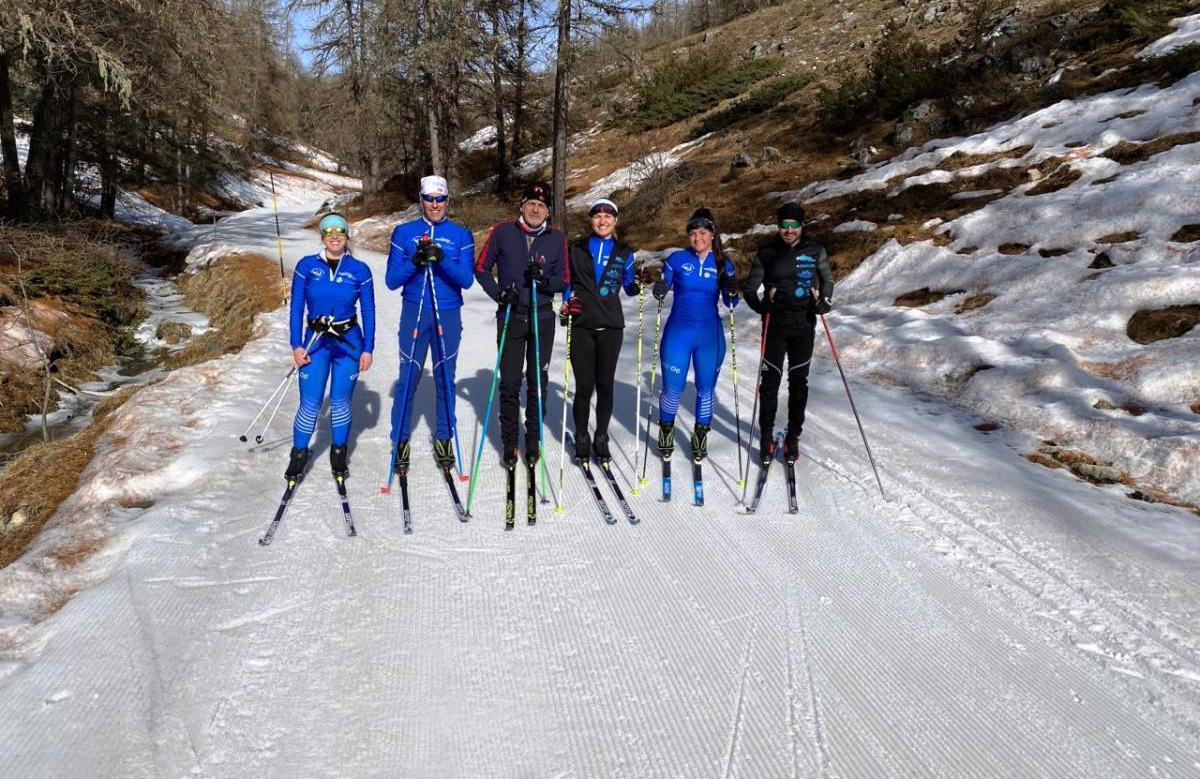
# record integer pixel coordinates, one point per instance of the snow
(632, 175)
(1187, 32)
(855, 226)
(1052, 343)
(483, 138)
(992, 618)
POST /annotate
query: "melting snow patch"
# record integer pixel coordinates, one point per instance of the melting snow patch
(855, 226)
(1187, 32)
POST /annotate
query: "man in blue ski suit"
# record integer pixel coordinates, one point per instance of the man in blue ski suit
(333, 348)
(433, 259)
(693, 333)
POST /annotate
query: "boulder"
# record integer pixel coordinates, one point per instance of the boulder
(173, 332)
(741, 160)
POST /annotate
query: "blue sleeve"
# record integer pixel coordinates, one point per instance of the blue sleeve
(461, 268)
(296, 318)
(366, 304)
(630, 276)
(400, 267)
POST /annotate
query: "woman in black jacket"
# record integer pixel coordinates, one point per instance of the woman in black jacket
(600, 266)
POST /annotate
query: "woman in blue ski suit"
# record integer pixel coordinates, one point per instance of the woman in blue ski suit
(693, 333)
(334, 348)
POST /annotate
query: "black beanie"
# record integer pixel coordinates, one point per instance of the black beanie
(792, 210)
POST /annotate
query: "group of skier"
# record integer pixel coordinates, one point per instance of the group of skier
(524, 263)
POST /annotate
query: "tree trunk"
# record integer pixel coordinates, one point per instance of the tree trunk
(108, 171)
(518, 112)
(498, 97)
(41, 167)
(14, 186)
(70, 151)
(561, 74)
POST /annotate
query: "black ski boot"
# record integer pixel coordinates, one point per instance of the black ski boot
(766, 449)
(297, 464)
(443, 452)
(403, 455)
(532, 450)
(791, 447)
(583, 447)
(512, 454)
(700, 443)
(337, 460)
(600, 447)
(666, 439)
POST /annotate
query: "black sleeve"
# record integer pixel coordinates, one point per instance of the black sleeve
(558, 273)
(825, 274)
(754, 279)
(489, 284)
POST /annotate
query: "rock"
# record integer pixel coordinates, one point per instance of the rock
(1103, 405)
(741, 160)
(1007, 27)
(937, 125)
(756, 51)
(1068, 19)
(173, 332)
(1032, 66)
(1098, 474)
(710, 36)
(849, 18)
(770, 153)
(963, 102)
(935, 12)
(916, 113)
(18, 518)
(903, 135)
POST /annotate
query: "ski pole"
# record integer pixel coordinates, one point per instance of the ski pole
(637, 406)
(258, 439)
(762, 356)
(562, 452)
(487, 415)
(450, 417)
(853, 408)
(284, 381)
(278, 240)
(538, 359)
(403, 399)
(737, 411)
(650, 397)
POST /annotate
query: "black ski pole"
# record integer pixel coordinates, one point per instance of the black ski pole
(853, 408)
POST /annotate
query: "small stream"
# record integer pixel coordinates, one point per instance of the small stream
(157, 277)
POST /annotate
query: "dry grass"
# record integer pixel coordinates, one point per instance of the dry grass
(230, 292)
(923, 297)
(1127, 152)
(1125, 237)
(975, 301)
(1148, 326)
(1187, 234)
(26, 488)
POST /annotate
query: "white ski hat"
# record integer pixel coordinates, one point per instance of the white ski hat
(434, 185)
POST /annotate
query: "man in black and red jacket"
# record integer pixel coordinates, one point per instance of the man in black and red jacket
(524, 251)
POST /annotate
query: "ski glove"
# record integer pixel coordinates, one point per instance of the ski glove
(509, 297)
(534, 275)
(573, 307)
(729, 285)
(645, 275)
(427, 251)
(659, 290)
(824, 305)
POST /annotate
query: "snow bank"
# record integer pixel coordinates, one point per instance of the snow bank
(484, 138)
(632, 175)
(1052, 343)
(1187, 32)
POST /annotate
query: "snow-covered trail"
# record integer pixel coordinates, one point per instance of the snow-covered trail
(992, 619)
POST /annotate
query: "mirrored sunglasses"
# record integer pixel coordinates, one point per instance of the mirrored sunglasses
(789, 224)
(435, 198)
(328, 231)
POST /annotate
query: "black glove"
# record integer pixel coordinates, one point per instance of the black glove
(645, 275)
(659, 290)
(729, 285)
(509, 297)
(635, 289)
(320, 324)
(824, 305)
(534, 275)
(427, 251)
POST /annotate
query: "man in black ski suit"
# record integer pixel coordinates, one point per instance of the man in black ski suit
(797, 285)
(524, 251)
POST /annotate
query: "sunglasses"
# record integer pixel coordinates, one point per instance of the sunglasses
(789, 224)
(336, 231)
(435, 198)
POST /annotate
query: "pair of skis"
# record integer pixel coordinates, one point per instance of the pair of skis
(510, 495)
(790, 474)
(697, 481)
(597, 496)
(448, 476)
(285, 501)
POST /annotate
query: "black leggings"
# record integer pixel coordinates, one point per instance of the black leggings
(795, 342)
(594, 356)
(517, 363)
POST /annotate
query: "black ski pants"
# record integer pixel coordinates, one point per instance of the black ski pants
(517, 363)
(792, 340)
(594, 355)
